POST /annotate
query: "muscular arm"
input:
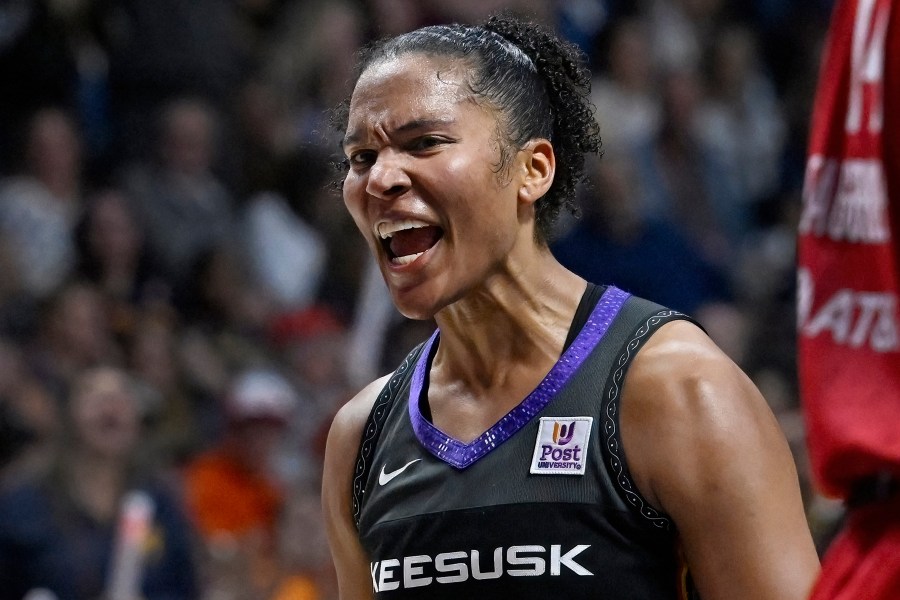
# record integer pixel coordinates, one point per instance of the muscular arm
(704, 447)
(350, 561)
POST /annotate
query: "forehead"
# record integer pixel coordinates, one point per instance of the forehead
(102, 383)
(408, 87)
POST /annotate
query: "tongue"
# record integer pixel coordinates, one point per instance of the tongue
(413, 241)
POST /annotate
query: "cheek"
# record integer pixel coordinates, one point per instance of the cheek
(486, 206)
(472, 187)
(472, 170)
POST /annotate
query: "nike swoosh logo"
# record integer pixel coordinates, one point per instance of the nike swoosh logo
(385, 478)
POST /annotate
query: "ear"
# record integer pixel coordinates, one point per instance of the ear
(538, 168)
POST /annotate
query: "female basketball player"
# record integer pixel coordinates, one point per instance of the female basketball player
(553, 438)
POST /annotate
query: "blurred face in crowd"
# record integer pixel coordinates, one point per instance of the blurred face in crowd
(105, 414)
(612, 205)
(734, 58)
(79, 324)
(188, 132)
(53, 149)
(112, 233)
(630, 56)
(681, 97)
(256, 441)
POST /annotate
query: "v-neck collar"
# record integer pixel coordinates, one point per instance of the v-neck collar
(462, 455)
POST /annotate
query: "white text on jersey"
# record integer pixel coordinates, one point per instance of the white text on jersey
(457, 567)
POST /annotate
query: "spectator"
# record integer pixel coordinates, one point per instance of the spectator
(740, 120)
(225, 319)
(683, 180)
(179, 421)
(626, 95)
(34, 426)
(75, 335)
(40, 208)
(184, 208)
(306, 569)
(234, 497)
(29, 418)
(114, 257)
(313, 345)
(286, 253)
(681, 30)
(615, 242)
(161, 51)
(311, 61)
(58, 532)
(264, 136)
(37, 67)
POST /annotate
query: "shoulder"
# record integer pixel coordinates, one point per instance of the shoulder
(25, 510)
(680, 355)
(349, 422)
(342, 445)
(688, 411)
(704, 447)
(347, 427)
(350, 561)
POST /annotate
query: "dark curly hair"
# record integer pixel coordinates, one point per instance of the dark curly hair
(539, 84)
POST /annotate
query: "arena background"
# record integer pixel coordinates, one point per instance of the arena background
(167, 208)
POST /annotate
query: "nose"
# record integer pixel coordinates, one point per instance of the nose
(387, 177)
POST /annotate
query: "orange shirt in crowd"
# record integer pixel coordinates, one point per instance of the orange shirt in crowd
(226, 498)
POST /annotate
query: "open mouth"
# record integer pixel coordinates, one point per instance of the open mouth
(405, 241)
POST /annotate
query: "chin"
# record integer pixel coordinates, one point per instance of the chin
(416, 313)
(413, 306)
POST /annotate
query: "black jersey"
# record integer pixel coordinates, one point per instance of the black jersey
(540, 506)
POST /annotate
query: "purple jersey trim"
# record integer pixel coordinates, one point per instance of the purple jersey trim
(460, 455)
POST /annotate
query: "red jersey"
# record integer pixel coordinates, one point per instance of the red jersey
(849, 347)
(848, 334)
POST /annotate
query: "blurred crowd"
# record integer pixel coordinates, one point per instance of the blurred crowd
(184, 303)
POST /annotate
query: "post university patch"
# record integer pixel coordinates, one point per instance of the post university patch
(561, 446)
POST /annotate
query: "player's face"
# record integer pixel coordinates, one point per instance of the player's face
(423, 184)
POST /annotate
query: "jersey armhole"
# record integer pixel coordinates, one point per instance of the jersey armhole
(373, 428)
(613, 451)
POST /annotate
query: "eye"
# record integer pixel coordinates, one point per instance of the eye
(361, 158)
(426, 142)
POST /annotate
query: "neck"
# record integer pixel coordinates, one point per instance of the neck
(96, 483)
(516, 323)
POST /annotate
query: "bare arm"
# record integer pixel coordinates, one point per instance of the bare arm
(350, 560)
(704, 447)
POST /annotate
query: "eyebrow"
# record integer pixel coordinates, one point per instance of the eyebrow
(414, 125)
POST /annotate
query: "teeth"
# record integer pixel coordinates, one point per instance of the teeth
(386, 229)
(405, 260)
